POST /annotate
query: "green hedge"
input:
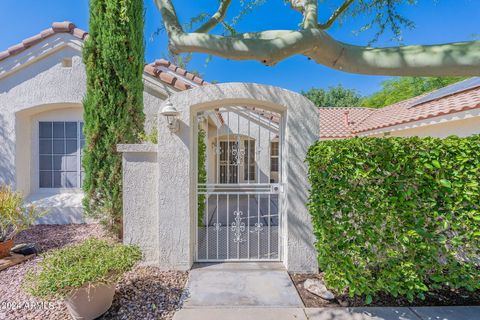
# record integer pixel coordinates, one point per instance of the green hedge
(396, 215)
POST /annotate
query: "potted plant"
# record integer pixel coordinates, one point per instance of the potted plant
(84, 276)
(15, 216)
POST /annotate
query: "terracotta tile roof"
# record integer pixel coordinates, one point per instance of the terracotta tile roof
(338, 122)
(173, 75)
(332, 120)
(161, 69)
(404, 112)
(57, 27)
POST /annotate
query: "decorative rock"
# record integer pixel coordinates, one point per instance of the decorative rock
(25, 248)
(343, 303)
(317, 287)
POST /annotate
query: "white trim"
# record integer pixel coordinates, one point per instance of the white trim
(425, 122)
(78, 156)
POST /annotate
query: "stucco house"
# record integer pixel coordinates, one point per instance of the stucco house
(42, 85)
(217, 186)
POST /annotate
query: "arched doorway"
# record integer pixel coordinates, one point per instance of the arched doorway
(162, 191)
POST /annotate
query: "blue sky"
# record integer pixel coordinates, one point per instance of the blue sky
(437, 21)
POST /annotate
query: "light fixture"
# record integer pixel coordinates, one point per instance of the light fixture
(171, 114)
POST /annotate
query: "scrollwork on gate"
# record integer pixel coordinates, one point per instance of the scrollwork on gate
(238, 154)
(238, 227)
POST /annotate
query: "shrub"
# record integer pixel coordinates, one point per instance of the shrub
(202, 174)
(396, 215)
(14, 215)
(151, 137)
(114, 60)
(90, 262)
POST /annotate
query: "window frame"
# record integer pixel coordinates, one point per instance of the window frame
(79, 156)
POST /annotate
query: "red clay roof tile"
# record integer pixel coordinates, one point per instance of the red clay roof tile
(65, 26)
(173, 75)
(32, 40)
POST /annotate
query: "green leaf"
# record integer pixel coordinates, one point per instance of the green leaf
(445, 183)
(428, 166)
(368, 300)
(436, 164)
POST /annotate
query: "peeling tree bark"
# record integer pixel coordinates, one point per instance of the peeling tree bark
(270, 47)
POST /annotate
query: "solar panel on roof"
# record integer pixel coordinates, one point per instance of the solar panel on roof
(452, 89)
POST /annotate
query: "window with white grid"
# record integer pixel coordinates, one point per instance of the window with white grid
(60, 154)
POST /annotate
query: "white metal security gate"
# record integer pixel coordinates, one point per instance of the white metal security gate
(238, 184)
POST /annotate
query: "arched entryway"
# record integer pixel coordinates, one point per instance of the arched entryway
(170, 201)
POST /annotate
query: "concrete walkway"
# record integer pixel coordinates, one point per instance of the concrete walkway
(264, 291)
(372, 313)
(240, 285)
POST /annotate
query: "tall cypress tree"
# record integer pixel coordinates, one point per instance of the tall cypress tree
(113, 106)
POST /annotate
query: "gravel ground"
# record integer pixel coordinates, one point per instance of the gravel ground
(144, 293)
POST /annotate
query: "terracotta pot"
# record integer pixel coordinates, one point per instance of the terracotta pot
(91, 301)
(5, 248)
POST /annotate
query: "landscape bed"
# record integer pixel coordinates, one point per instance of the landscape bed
(440, 297)
(143, 293)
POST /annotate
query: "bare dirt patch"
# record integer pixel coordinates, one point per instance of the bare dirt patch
(144, 293)
(442, 297)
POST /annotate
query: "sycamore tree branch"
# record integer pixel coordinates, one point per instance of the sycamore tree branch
(335, 15)
(216, 18)
(270, 47)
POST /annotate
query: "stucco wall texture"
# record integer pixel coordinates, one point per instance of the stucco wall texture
(174, 212)
(37, 85)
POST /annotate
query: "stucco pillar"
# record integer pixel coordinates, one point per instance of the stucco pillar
(301, 131)
(140, 195)
(175, 192)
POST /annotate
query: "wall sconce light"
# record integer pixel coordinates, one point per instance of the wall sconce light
(171, 114)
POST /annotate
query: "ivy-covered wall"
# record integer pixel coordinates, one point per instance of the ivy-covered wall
(396, 215)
